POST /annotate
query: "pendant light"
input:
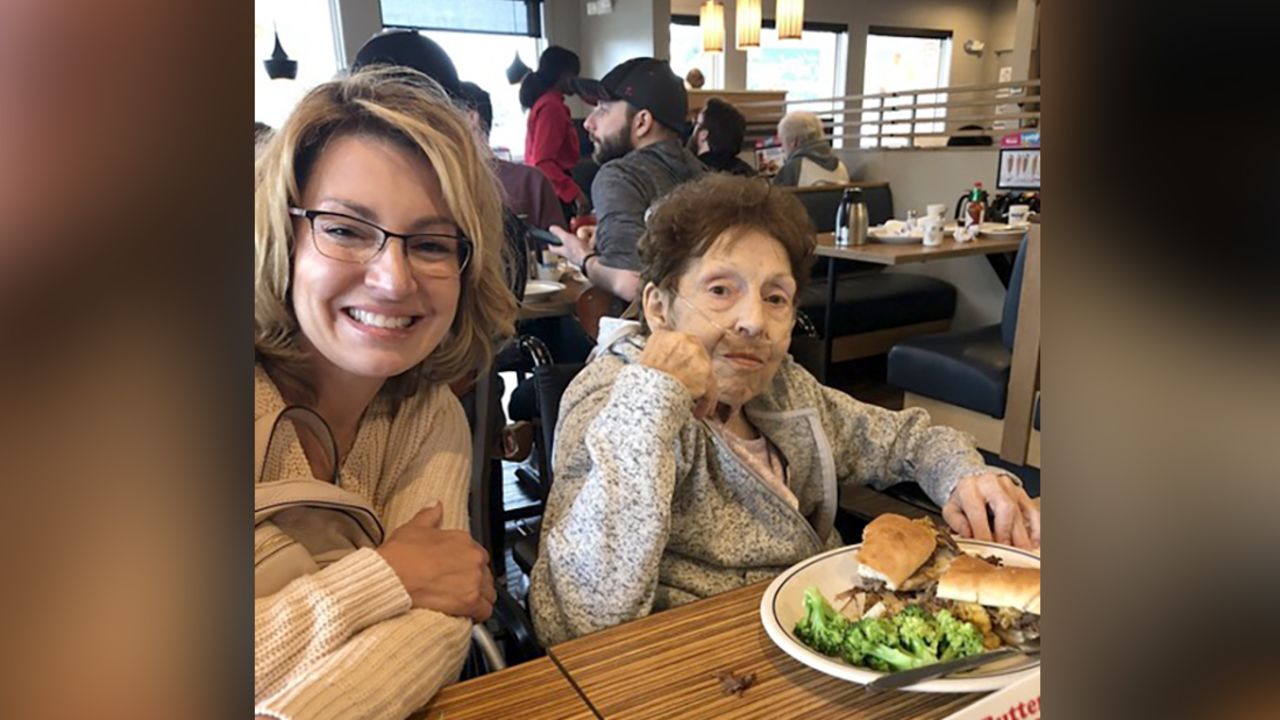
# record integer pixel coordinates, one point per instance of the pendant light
(790, 19)
(279, 65)
(711, 21)
(749, 17)
(517, 70)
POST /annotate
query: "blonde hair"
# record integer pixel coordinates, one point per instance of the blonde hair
(410, 109)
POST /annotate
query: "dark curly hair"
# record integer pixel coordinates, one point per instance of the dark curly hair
(688, 221)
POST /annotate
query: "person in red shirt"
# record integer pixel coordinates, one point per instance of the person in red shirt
(551, 142)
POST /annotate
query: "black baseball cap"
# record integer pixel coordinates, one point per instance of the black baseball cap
(410, 49)
(644, 82)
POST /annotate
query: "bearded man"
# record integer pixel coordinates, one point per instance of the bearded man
(640, 107)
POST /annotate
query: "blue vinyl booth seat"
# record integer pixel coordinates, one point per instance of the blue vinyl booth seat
(969, 369)
(867, 299)
(866, 302)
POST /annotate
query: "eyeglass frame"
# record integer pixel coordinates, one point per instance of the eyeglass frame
(310, 216)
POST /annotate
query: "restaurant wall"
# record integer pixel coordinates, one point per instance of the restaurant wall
(634, 28)
(358, 20)
(1004, 20)
(939, 175)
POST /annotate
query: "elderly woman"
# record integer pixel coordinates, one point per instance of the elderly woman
(377, 281)
(693, 456)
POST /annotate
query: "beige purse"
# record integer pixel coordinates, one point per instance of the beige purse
(301, 524)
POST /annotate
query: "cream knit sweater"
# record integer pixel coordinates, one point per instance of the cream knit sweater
(344, 643)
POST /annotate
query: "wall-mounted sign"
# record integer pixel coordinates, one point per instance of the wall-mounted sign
(1024, 138)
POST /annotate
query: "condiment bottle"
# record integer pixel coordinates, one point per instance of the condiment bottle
(976, 208)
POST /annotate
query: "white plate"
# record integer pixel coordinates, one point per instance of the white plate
(881, 235)
(835, 571)
(535, 289)
(1000, 230)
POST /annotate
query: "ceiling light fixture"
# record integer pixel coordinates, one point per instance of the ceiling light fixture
(749, 17)
(279, 65)
(711, 21)
(790, 19)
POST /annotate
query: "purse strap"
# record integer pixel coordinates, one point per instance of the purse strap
(264, 431)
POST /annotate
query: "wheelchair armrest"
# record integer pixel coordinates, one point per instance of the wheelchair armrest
(521, 643)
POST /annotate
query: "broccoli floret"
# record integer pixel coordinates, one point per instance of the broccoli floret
(876, 643)
(918, 634)
(910, 639)
(821, 628)
(913, 611)
(958, 638)
(879, 631)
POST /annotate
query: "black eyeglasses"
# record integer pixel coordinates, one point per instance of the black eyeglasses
(443, 253)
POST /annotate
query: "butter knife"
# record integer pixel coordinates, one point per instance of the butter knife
(893, 681)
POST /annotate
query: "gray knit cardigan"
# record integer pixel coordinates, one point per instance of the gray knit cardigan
(650, 509)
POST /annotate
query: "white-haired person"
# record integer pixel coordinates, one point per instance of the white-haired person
(810, 159)
(377, 281)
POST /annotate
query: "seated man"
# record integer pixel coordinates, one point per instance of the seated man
(717, 138)
(810, 160)
(694, 456)
(639, 106)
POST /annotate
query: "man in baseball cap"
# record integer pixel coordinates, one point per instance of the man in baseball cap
(640, 107)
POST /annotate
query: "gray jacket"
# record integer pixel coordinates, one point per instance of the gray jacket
(625, 188)
(651, 510)
(823, 163)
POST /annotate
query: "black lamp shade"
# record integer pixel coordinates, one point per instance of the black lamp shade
(517, 70)
(279, 66)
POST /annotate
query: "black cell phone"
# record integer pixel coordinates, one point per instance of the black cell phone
(544, 236)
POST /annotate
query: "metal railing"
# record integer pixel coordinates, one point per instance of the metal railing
(910, 118)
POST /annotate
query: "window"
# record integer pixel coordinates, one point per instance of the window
(483, 59)
(900, 60)
(808, 68)
(306, 34)
(811, 67)
(687, 54)
(507, 17)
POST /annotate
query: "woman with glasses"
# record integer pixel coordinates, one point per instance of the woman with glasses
(693, 456)
(378, 280)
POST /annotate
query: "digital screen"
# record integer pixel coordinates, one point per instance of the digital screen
(1019, 169)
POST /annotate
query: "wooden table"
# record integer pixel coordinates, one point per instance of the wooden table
(887, 254)
(532, 690)
(664, 665)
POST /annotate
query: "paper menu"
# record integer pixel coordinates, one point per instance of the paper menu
(1019, 701)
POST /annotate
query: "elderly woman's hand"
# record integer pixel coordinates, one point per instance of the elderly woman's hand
(1017, 519)
(683, 357)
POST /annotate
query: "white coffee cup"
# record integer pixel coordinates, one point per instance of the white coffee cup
(1018, 214)
(932, 227)
(937, 210)
(551, 270)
